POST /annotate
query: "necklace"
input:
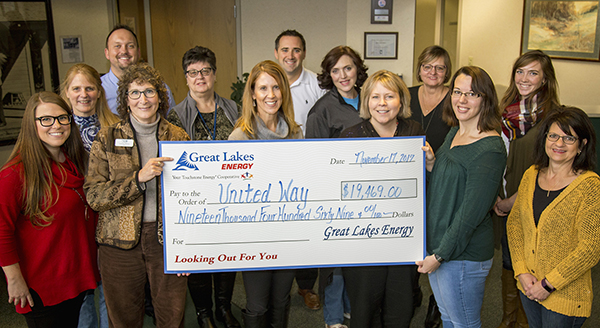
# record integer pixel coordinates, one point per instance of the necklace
(431, 113)
(553, 186)
(430, 119)
(84, 203)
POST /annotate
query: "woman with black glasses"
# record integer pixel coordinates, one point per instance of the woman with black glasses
(47, 247)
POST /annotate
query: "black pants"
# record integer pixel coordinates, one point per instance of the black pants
(306, 278)
(380, 294)
(61, 315)
(267, 290)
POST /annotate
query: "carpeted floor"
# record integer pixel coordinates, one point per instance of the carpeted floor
(302, 317)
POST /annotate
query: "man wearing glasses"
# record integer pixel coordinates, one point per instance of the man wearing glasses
(122, 51)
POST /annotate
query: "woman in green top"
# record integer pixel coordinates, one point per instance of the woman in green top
(466, 174)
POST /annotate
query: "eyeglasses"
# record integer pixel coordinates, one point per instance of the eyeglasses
(568, 140)
(438, 68)
(47, 121)
(194, 72)
(469, 94)
(136, 94)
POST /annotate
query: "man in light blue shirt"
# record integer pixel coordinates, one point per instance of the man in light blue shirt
(121, 50)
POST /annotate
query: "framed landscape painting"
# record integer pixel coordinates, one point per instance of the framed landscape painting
(562, 29)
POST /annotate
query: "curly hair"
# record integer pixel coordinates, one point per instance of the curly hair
(105, 116)
(390, 81)
(332, 57)
(247, 121)
(39, 190)
(141, 73)
(482, 84)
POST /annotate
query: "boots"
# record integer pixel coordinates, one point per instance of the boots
(433, 319)
(513, 315)
(205, 319)
(254, 321)
(200, 286)
(224, 289)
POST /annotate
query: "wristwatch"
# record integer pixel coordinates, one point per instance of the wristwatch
(438, 258)
(546, 287)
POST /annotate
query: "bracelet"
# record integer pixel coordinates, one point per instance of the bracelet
(546, 287)
(438, 258)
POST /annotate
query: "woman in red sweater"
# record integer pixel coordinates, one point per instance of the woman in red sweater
(47, 246)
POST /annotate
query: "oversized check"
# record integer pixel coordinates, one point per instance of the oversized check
(249, 205)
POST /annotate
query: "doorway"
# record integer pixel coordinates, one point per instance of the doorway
(177, 26)
(436, 22)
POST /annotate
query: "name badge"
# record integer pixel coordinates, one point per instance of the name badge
(124, 142)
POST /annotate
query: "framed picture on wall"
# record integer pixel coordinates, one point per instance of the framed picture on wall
(381, 45)
(562, 29)
(28, 62)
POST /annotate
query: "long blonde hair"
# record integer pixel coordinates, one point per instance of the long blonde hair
(105, 116)
(40, 191)
(247, 121)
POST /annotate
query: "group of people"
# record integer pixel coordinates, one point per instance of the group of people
(80, 198)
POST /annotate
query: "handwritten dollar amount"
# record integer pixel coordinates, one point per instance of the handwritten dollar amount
(381, 189)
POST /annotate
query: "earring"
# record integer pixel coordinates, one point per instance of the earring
(254, 102)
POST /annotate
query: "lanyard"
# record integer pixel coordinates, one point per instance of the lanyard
(214, 134)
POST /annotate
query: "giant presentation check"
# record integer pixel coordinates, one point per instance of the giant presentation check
(249, 205)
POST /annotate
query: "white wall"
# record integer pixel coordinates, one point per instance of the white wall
(491, 35)
(424, 29)
(324, 24)
(88, 19)
(403, 22)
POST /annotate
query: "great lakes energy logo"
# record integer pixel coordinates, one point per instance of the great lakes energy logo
(229, 161)
(184, 163)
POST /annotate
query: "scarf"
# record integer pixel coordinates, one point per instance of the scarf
(519, 117)
(263, 133)
(88, 128)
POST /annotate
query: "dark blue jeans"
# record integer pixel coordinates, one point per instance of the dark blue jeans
(540, 317)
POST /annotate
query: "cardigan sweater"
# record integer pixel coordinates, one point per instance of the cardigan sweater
(564, 246)
(112, 187)
(57, 261)
(463, 186)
